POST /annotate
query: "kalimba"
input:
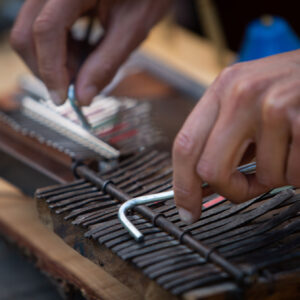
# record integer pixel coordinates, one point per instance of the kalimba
(250, 250)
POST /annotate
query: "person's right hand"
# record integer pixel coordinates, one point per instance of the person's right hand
(41, 32)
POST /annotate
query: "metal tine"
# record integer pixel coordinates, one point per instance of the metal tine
(117, 243)
(95, 214)
(291, 251)
(43, 192)
(217, 222)
(150, 230)
(146, 173)
(140, 174)
(105, 238)
(81, 204)
(271, 255)
(179, 288)
(101, 218)
(171, 211)
(75, 206)
(71, 193)
(178, 264)
(150, 239)
(243, 218)
(232, 233)
(102, 226)
(161, 255)
(136, 164)
(138, 252)
(93, 217)
(185, 275)
(109, 236)
(255, 243)
(95, 205)
(76, 198)
(68, 189)
(223, 215)
(173, 216)
(128, 179)
(95, 228)
(127, 162)
(150, 187)
(275, 221)
(114, 228)
(134, 218)
(65, 190)
(131, 176)
(160, 176)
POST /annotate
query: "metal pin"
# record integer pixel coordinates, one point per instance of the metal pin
(76, 107)
(133, 231)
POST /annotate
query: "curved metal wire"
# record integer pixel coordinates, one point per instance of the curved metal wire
(142, 200)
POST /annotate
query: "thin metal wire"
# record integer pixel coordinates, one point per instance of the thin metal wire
(133, 231)
(76, 107)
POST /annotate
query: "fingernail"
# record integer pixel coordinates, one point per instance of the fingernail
(185, 216)
(56, 97)
(88, 94)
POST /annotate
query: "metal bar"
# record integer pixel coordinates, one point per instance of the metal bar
(77, 109)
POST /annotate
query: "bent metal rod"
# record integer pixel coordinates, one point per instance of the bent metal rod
(128, 205)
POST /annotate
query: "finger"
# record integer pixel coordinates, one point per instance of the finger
(293, 163)
(223, 152)
(273, 140)
(187, 148)
(103, 63)
(21, 37)
(50, 36)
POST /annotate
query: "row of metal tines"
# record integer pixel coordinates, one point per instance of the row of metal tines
(260, 236)
(124, 124)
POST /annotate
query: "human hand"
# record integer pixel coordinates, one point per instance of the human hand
(252, 103)
(41, 33)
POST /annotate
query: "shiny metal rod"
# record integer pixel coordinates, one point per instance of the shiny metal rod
(138, 236)
(122, 213)
(77, 109)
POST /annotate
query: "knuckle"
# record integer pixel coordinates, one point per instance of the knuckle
(245, 87)
(18, 40)
(293, 179)
(274, 110)
(183, 145)
(230, 72)
(43, 25)
(206, 172)
(236, 199)
(180, 191)
(47, 73)
(267, 180)
(107, 68)
(296, 128)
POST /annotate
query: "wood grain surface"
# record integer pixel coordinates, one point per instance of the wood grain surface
(19, 222)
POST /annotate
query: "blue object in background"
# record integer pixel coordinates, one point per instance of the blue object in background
(267, 36)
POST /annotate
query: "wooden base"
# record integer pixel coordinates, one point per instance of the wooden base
(19, 223)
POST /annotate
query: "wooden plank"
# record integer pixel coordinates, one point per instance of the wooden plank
(19, 222)
(185, 52)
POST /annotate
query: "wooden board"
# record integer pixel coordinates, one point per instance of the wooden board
(19, 222)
